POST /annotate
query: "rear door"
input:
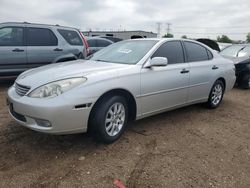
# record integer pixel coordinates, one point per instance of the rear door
(74, 41)
(202, 70)
(42, 46)
(12, 50)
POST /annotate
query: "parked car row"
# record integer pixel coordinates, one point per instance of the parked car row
(125, 81)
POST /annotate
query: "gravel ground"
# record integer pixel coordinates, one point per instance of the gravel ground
(188, 147)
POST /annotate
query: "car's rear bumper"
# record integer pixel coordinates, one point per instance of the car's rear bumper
(54, 115)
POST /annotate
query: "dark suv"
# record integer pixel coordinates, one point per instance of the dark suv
(25, 45)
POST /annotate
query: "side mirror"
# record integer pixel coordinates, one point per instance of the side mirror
(158, 61)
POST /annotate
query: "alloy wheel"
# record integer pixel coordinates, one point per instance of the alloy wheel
(115, 119)
(217, 94)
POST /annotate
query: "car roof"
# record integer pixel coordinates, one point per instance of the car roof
(36, 25)
(166, 39)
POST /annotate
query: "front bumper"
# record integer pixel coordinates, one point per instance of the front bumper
(59, 112)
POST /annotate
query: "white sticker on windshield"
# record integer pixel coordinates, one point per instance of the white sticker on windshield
(125, 51)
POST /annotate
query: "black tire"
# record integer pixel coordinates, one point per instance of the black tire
(245, 83)
(212, 103)
(97, 124)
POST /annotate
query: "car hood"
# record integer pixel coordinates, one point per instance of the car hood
(237, 60)
(49, 73)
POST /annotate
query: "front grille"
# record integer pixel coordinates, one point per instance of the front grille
(21, 89)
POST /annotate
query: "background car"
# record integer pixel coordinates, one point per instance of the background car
(240, 54)
(223, 45)
(25, 45)
(97, 43)
(125, 81)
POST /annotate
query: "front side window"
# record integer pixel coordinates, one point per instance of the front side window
(125, 52)
(72, 37)
(41, 37)
(195, 52)
(172, 50)
(11, 36)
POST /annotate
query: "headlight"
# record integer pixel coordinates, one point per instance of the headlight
(56, 88)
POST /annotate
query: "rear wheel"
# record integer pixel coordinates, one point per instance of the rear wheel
(109, 119)
(216, 94)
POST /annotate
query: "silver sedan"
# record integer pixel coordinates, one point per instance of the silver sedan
(126, 81)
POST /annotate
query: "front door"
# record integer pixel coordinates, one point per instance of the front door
(12, 51)
(165, 87)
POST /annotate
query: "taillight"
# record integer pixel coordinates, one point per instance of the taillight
(85, 43)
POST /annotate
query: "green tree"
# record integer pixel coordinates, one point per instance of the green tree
(224, 39)
(248, 37)
(168, 35)
(184, 37)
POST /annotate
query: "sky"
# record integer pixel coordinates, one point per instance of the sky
(194, 18)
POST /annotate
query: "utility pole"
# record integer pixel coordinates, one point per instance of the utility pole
(168, 29)
(158, 29)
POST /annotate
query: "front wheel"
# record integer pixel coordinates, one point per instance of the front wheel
(216, 94)
(109, 119)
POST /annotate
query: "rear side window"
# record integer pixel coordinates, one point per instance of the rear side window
(102, 43)
(11, 36)
(172, 51)
(41, 37)
(196, 52)
(72, 37)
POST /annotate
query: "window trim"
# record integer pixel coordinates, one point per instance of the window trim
(183, 51)
(186, 53)
(26, 33)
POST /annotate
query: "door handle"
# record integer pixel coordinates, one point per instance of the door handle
(215, 67)
(58, 49)
(184, 71)
(17, 50)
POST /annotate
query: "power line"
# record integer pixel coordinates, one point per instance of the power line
(168, 29)
(158, 29)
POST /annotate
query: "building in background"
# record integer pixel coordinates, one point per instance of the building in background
(120, 34)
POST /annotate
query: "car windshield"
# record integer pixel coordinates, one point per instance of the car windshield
(232, 51)
(125, 52)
